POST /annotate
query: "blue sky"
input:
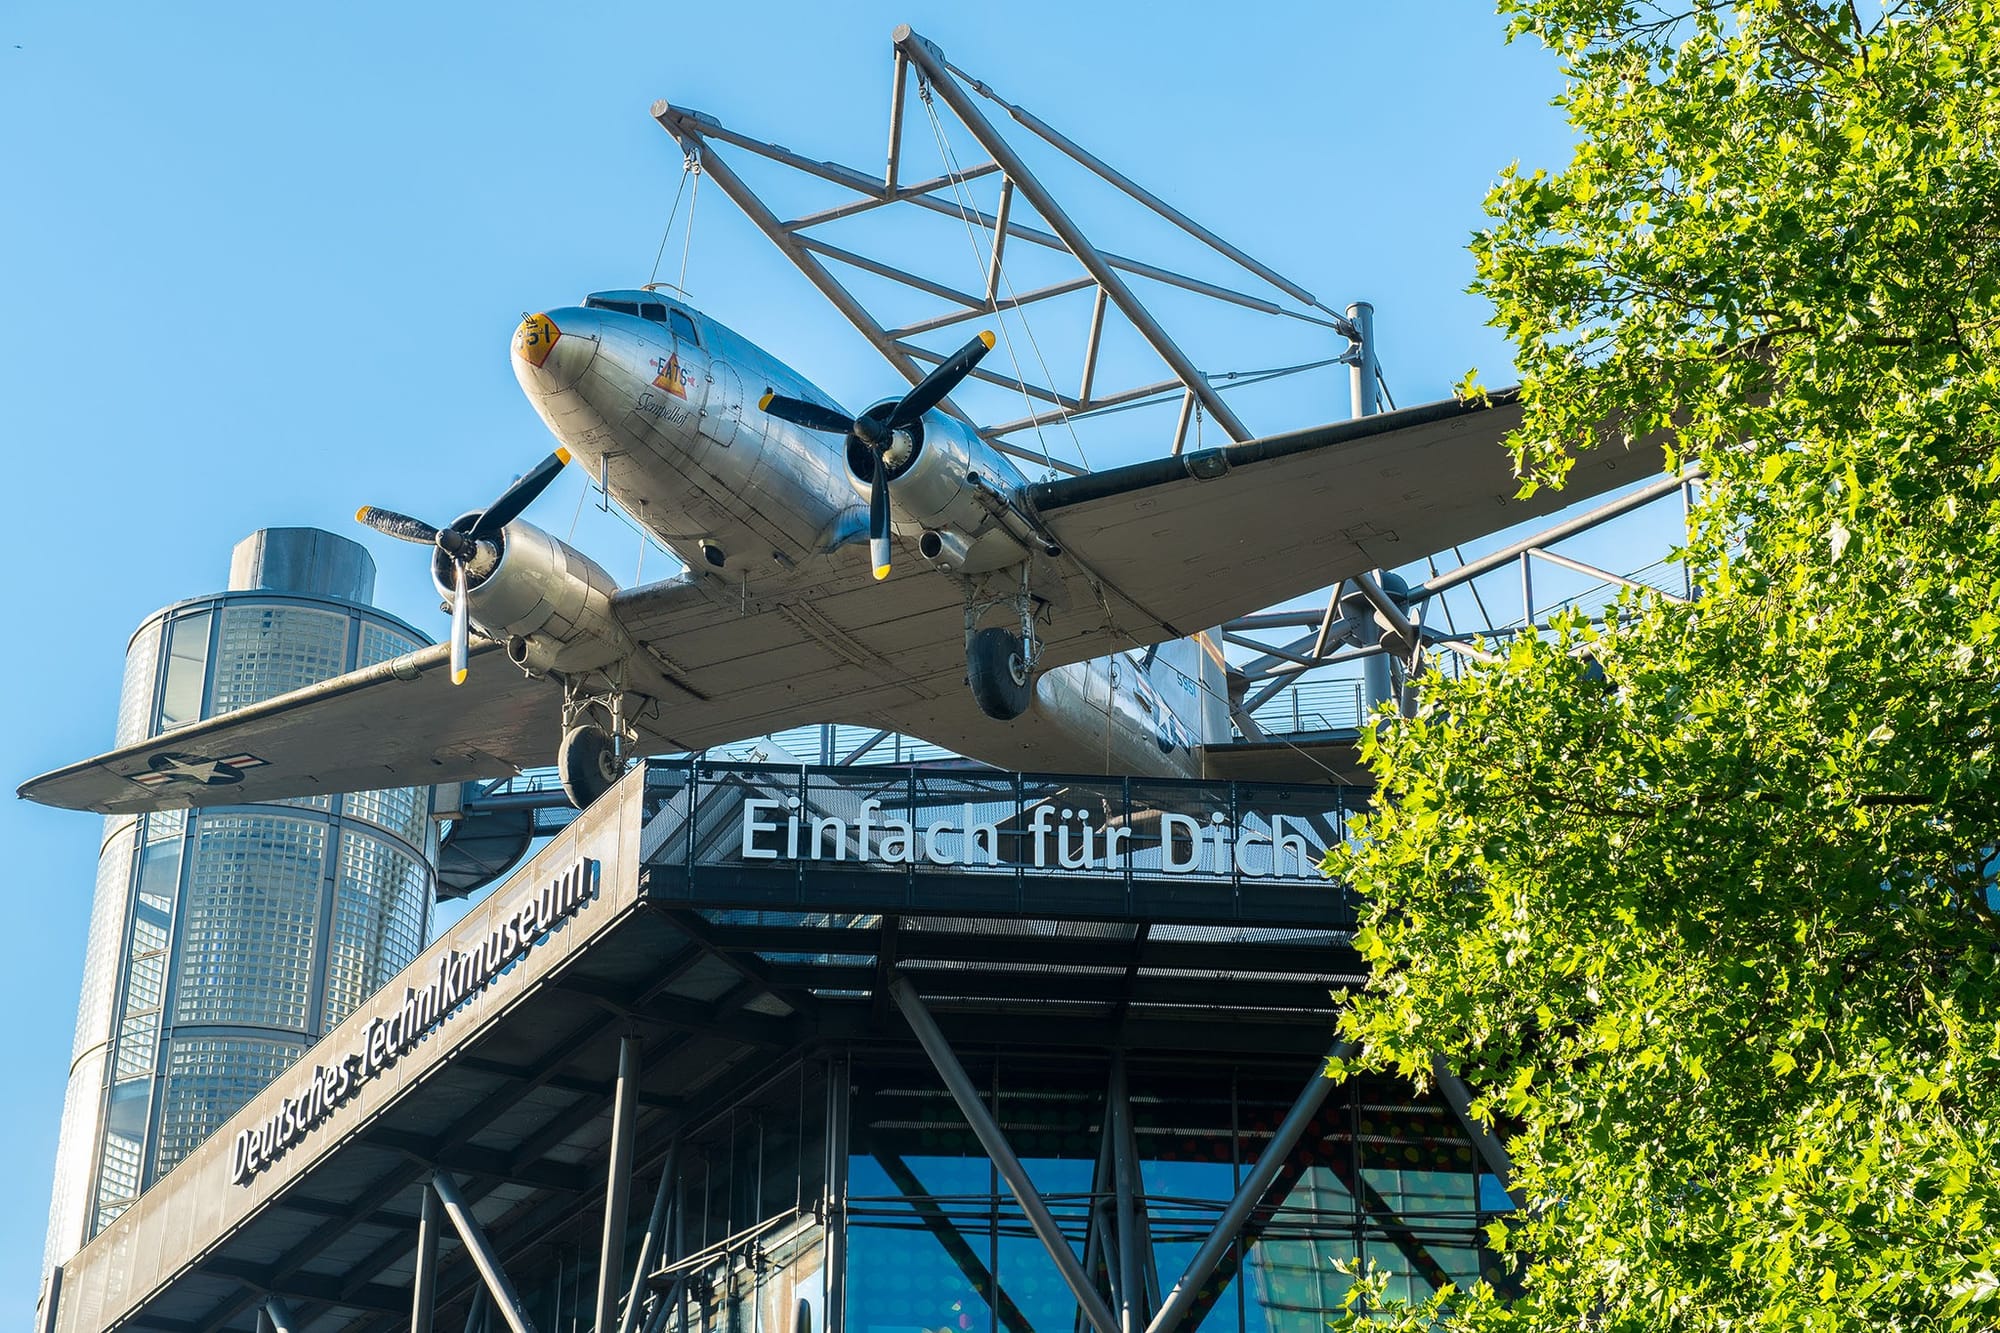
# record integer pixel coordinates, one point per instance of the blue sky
(261, 265)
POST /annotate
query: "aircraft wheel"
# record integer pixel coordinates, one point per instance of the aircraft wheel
(998, 671)
(588, 764)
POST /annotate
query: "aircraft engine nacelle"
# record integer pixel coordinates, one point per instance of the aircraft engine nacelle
(933, 496)
(548, 602)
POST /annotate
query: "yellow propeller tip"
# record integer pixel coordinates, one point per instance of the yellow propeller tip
(563, 456)
(764, 403)
(986, 336)
(881, 572)
(361, 514)
(458, 678)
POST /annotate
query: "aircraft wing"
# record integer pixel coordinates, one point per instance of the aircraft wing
(1150, 552)
(1177, 544)
(400, 723)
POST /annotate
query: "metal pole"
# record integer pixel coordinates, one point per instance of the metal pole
(1364, 394)
(1230, 1225)
(1002, 1154)
(1131, 1306)
(423, 1290)
(280, 1314)
(481, 1250)
(656, 1231)
(618, 1183)
(928, 59)
(839, 1109)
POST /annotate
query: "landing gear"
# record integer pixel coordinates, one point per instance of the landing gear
(996, 665)
(999, 663)
(592, 757)
(588, 764)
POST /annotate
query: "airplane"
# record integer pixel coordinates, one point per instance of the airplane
(889, 568)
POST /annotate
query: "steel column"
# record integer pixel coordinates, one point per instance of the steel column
(1001, 1152)
(929, 60)
(1131, 1303)
(655, 1237)
(476, 1308)
(483, 1256)
(423, 1288)
(839, 1110)
(618, 1183)
(1248, 1196)
(1364, 394)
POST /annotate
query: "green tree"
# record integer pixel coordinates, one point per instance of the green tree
(1702, 905)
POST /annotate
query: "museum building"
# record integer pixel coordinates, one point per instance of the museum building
(762, 1049)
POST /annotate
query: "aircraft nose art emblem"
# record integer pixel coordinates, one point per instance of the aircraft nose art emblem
(671, 377)
(534, 339)
(179, 766)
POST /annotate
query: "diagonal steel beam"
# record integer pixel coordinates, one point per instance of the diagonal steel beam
(481, 1250)
(930, 61)
(1248, 1196)
(1002, 1154)
(951, 1239)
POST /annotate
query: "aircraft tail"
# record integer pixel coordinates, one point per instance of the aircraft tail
(1191, 677)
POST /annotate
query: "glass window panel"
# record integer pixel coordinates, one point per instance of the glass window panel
(920, 1238)
(683, 326)
(135, 697)
(404, 811)
(187, 671)
(107, 926)
(251, 921)
(379, 643)
(267, 650)
(381, 915)
(208, 1080)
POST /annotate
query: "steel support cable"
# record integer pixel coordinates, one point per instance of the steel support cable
(687, 168)
(955, 174)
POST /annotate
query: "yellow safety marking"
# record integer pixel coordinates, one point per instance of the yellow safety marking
(458, 677)
(986, 336)
(881, 571)
(562, 456)
(535, 338)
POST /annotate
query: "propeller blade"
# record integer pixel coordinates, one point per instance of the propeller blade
(460, 631)
(878, 519)
(802, 413)
(932, 389)
(518, 496)
(400, 526)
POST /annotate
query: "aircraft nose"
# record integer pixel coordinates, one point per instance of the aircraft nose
(549, 357)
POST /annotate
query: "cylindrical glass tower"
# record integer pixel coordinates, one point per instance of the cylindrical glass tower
(224, 942)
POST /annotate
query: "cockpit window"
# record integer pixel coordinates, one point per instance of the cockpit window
(654, 311)
(683, 327)
(622, 307)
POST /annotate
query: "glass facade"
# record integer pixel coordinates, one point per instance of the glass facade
(224, 942)
(934, 1241)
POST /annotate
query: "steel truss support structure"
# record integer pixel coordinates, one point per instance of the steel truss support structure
(1229, 1227)
(1108, 276)
(988, 1132)
(1363, 619)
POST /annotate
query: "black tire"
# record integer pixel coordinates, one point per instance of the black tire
(588, 763)
(998, 672)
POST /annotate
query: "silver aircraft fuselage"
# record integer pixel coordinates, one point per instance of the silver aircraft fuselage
(660, 404)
